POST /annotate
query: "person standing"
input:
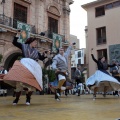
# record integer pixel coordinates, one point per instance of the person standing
(115, 73)
(78, 79)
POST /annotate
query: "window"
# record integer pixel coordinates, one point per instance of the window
(79, 61)
(20, 13)
(109, 6)
(101, 35)
(79, 54)
(102, 53)
(52, 25)
(99, 11)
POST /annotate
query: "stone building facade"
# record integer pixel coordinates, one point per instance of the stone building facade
(48, 16)
(102, 31)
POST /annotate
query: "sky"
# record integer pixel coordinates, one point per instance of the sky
(78, 20)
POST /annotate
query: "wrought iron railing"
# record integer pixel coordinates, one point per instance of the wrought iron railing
(8, 21)
(49, 34)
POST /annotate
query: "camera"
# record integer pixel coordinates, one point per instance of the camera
(74, 43)
(19, 30)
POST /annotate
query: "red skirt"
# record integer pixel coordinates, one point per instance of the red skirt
(19, 73)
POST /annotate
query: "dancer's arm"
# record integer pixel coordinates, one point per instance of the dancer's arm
(111, 65)
(54, 64)
(94, 58)
(16, 43)
(68, 51)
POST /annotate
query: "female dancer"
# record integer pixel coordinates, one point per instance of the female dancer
(26, 74)
(101, 80)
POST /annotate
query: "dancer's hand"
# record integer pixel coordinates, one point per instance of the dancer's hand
(91, 50)
(18, 33)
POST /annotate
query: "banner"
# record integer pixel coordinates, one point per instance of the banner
(57, 42)
(25, 31)
(114, 52)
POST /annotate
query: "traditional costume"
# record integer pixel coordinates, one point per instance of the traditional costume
(102, 79)
(60, 62)
(26, 74)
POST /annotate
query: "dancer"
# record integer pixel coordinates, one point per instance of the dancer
(101, 80)
(26, 74)
(115, 73)
(60, 65)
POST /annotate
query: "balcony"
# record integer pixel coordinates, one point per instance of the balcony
(49, 34)
(8, 21)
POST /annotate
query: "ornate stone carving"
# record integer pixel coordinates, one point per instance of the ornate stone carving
(66, 10)
(28, 1)
(54, 10)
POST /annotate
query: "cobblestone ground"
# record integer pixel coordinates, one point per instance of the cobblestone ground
(44, 107)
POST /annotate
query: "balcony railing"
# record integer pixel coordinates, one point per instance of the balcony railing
(49, 34)
(8, 21)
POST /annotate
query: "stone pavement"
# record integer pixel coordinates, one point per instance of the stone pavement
(44, 107)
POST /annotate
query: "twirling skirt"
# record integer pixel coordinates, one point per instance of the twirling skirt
(100, 80)
(25, 73)
(53, 85)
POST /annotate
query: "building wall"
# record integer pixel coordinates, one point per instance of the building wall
(75, 58)
(111, 21)
(38, 12)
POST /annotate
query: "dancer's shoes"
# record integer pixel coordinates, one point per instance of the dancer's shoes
(58, 92)
(15, 101)
(27, 103)
(27, 99)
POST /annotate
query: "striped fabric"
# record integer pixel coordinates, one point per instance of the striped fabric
(30, 52)
(19, 73)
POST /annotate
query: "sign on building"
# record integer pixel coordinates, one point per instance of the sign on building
(25, 31)
(57, 42)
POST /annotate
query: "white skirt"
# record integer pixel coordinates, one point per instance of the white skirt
(101, 79)
(34, 68)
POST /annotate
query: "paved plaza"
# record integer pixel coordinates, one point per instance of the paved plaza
(44, 107)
